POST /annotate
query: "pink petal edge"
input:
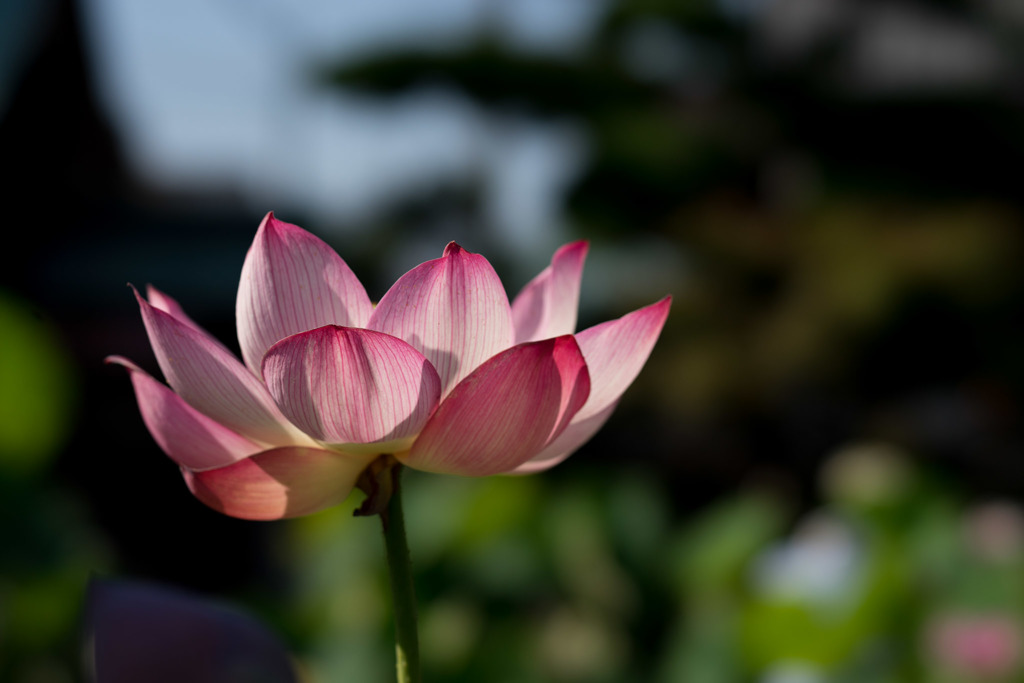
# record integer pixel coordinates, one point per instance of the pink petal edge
(504, 412)
(576, 435)
(168, 305)
(547, 305)
(292, 281)
(211, 380)
(187, 436)
(279, 483)
(616, 352)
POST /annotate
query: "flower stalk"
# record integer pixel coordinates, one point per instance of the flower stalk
(403, 596)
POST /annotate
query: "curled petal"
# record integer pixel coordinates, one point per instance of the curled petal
(293, 282)
(210, 379)
(279, 483)
(546, 307)
(356, 389)
(616, 352)
(187, 436)
(452, 309)
(505, 412)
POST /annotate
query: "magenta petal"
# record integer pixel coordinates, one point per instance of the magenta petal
(190, 438)
(347, 387)
(616, 352)
(283, 482)
(210, 379)
(293, 282)
(546, 307)
(452, 309)
(506, 411)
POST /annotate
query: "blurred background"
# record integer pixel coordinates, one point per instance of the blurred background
(816, 479)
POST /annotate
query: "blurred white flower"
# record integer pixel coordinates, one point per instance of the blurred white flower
(820, 563)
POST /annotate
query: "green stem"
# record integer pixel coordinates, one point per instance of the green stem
(407, 649)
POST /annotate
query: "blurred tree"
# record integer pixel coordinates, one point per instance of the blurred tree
(837, 177)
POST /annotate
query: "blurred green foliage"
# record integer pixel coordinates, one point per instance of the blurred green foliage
(49, 546)
(37, 386)
(589, 579)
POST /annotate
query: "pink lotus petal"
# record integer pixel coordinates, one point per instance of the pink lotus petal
(165, 303)
(616, 352)
(213, 381)
(575, 435)
(190, 438)
(161, 301)
(452, 309)
(505, 412)
(279, 483)
(344, 386)
(293, 282)
(546, 307)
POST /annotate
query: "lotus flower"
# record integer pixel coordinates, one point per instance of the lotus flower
(442, 374)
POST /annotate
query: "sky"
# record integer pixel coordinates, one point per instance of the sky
(220, 93)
